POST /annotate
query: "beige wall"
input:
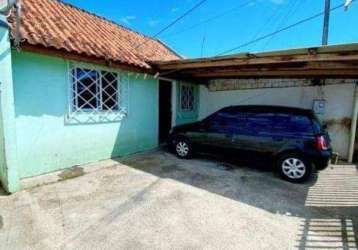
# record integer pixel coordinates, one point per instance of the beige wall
(338, 94)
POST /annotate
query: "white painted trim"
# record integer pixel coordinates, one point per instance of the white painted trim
(166, 79)
(69, 89)
(174, 103)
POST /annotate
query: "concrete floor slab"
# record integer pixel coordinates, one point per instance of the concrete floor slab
(156, 201)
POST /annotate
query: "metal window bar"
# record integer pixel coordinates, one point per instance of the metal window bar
(187, 98)
(108, 96)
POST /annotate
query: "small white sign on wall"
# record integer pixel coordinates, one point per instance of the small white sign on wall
(319, 106)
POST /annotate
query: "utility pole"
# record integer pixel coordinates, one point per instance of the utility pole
(327, 12)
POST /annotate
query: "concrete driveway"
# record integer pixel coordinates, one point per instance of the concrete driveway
(156, 201)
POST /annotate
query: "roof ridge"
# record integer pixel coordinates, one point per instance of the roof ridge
(104, 19)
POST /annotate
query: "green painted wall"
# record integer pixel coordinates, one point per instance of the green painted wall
(46, 142)
(2, 148)
(3, 61)
(184, 117)
(8, 149)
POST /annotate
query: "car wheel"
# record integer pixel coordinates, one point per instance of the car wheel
(294, 168)
(183, 148)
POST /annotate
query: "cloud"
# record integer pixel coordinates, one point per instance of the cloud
(128, 19)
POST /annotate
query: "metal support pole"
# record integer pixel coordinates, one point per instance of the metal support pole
(353, 126)
(327, 12)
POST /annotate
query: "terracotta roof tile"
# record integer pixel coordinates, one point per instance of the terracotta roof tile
(56, 25)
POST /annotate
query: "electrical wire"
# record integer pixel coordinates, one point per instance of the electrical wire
(295, 6)
(266, 23)
(196, 6)
(269, 35)
(213, 18)
(280, 30)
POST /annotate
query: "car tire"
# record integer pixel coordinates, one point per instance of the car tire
(183, 148)
(294, 167)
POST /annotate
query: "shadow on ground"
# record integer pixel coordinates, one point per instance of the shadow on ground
(3, 192)
(326, 205)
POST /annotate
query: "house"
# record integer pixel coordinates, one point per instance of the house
(82, 89)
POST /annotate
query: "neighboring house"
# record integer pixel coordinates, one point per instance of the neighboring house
(79, 90)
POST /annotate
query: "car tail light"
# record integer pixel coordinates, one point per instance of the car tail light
(321, 143)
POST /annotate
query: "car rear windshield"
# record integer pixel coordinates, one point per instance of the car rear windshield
(317, 126)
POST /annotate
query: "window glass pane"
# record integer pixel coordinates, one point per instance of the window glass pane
(86, 89)
(109, 91)
(94, 90)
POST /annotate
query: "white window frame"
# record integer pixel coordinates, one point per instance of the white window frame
(96, 114)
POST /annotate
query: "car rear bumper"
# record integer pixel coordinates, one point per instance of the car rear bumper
(322, 160)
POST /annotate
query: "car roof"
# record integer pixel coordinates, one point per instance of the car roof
(268, 109)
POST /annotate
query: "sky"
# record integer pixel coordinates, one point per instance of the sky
(220, 25)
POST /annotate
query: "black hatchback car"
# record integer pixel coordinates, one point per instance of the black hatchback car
(293, 138)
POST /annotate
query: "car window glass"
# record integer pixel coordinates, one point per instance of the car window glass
(225, 122)
(287, 123)
(215, 119)
(235, 122)
(260, 123)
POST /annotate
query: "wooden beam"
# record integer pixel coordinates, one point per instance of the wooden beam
(342, 57)
(331, 49)
(279, 73)
(327, 67)
(263, 69)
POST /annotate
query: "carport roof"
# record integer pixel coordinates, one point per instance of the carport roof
(328, 61)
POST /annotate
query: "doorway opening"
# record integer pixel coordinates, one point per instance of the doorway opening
(165, 110)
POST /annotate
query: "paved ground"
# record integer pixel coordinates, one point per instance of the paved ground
(156, 201)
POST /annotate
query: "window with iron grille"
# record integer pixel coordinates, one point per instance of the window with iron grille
(95, 93)
(94, 90)
(187, 99)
